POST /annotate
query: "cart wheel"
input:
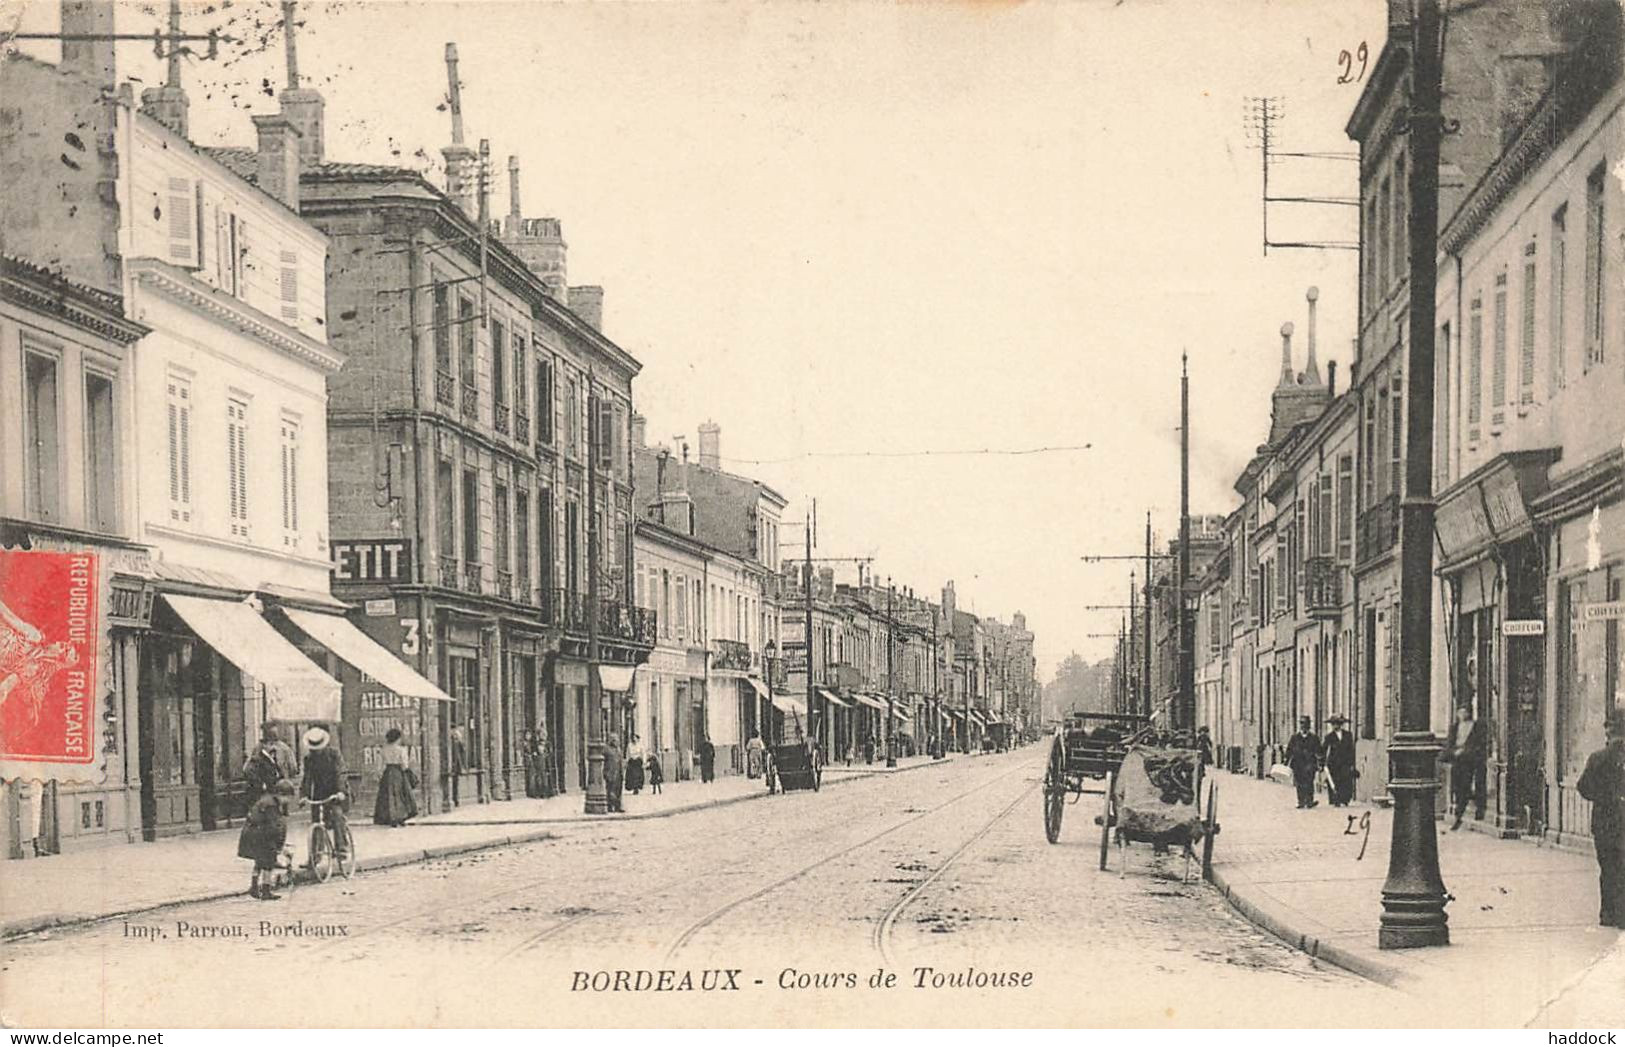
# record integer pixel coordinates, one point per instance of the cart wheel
(772, 781)
(1054, 792)
(1211, 823)
(1106, 821)
(817, 778)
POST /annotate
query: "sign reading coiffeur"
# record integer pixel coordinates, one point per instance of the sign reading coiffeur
(50, 656)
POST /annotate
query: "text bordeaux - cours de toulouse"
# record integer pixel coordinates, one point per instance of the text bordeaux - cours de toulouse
(729, 979)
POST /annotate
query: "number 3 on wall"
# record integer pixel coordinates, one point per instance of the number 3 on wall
(409, 643)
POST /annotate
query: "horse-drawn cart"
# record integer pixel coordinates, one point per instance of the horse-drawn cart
(1160, 796)
(1088, 746)
(795, 766)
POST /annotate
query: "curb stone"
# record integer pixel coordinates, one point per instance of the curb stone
(1266, 917)
(12, 929)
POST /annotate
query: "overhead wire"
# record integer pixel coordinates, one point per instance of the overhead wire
(925, 453)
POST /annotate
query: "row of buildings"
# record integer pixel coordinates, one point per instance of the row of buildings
(343, 442)
(1297, 597)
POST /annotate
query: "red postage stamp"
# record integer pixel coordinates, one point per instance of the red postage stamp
(50, 657)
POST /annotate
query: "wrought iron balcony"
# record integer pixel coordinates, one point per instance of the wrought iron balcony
(521, 426)
(449, 573)
(731, 654)
(471, 399)
(1378, 529)
(500, 419)
(505, 584)
(643, 625)
(1322, 587)
(472, 577)
(445, 388)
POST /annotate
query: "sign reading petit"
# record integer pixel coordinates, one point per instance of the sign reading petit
(50, 653)
(373, 560)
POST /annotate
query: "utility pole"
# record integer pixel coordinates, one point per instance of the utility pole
(597, 798)
(1185, 715)
(1145, 637)
(891, 679)
(1413, 896)
(813, 725)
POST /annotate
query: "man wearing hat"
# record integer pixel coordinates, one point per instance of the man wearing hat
(1303, 757)
(1337, 753)
(1603, 783)
(324, 777)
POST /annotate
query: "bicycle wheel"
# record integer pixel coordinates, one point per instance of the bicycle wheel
(320, 855)
(346, 857)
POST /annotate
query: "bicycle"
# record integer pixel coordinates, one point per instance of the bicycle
(323, 856)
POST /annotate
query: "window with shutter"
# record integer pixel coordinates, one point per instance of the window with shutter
(1345, 515)
(544, 399)
(290, 287)
(178, 396)
(1596, 265)
(237, 466)
(179, 215)
(1555, 296)
(1323, 546)
(1475, 369)
(1498, 374)
(1526, 317)
(290, 482)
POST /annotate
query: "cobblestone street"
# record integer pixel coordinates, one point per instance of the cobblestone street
(809, 895)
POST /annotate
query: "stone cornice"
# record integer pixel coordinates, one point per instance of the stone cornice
(182, 287)
(97, 312)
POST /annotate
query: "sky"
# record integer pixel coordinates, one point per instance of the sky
(864, 238)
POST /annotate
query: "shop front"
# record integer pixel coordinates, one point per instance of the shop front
(1493, 635)
(1585, 514)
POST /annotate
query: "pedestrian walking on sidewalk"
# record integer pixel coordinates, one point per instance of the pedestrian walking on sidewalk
(634, 768)
(755, 753)
(1603, 783)
(708, 760)
(264, 832)
(1466, 750)
(657, 776)
(1337, 753)
(264, 767)
(613, 772)
(1204, 746)
(396, 802)
(1303, 757)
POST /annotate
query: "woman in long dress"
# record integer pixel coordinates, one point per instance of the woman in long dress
(395, 800)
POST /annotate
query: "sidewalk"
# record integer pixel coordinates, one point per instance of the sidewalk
(119, 879)
(1523, 922)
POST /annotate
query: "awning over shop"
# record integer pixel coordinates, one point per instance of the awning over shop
(296, 689)
(870, 700)
(955, 713)
(362, 652)
(786, 704)
(616, 677)
(834, 699)
(759, 687)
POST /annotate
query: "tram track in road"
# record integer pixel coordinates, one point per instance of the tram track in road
(687, 936)
(883, 929)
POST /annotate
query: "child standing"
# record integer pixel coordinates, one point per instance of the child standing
(264, 833)
(656, 775)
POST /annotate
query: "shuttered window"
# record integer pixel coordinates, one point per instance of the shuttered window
(1498, 376)
(1526, 318)
(290, 482)
(544, 399)
(1475, 369)
(1555, 298)
(178, 217)
(1595, 298)
(179, 409)
(1345, 515)
(237, 466)
(289, 287)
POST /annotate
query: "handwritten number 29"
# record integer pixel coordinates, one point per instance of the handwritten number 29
(1346, 62)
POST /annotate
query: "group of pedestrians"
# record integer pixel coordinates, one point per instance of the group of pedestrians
(627, 769)
(1308, 754)
(269, 775)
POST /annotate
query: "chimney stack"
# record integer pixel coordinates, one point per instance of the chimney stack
(278, 154)
(1287, 379)
(711, 445)
(168, 104)
(90, 60)
(303, 107)
(1331, 379)
(459, 157)
(640, 431)
(587, 302)
(1311, 370)
(515, 215)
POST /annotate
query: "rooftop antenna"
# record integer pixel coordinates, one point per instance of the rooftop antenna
(1262, 116)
